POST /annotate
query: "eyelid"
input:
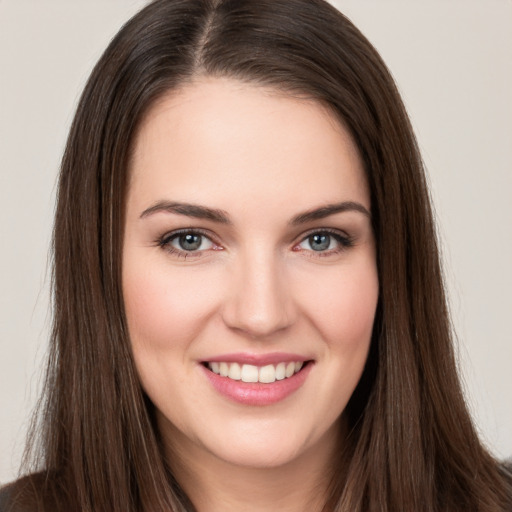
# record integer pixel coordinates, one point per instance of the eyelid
(164, 242)
(344, 240)
(185, 231)
(330, 231)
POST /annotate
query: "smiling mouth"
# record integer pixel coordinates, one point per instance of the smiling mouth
(251, 373)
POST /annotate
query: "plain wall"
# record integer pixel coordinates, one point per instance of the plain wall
(452, 60)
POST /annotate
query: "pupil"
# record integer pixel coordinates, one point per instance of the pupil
(319, 242)
(190, 242)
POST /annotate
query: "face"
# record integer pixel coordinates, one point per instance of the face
(249, 274)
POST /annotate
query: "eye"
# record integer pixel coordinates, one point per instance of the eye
(191, 242)
(325, 242)
(318, 242)
(187, 242)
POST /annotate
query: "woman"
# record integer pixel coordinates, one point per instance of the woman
(249, 310)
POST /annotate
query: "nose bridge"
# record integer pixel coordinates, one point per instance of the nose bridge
(259, 303)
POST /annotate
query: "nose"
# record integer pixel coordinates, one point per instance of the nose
(259, 302)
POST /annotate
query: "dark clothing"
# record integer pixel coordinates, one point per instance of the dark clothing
(24, 495)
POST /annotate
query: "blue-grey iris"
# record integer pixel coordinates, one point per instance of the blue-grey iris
(319, 241)
(190, 242)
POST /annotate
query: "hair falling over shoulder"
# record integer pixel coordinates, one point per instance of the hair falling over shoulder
(94, 445)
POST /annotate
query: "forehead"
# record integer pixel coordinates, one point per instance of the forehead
(220, 141)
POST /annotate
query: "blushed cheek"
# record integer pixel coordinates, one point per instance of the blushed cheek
(165, 309)
(356, 310)
(345, 312)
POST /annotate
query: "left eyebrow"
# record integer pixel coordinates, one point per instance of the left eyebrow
(327, 210)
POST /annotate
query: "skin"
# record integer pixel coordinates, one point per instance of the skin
(254, 286)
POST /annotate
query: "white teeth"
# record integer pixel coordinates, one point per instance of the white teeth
(267, 374)
(223, 369)
(251, 373)
(235, 372)
(280, 371)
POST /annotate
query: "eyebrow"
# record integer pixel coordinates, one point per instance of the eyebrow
(327, 210)
(189, 210)
(222, 217)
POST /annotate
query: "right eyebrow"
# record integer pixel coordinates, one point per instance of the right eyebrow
(189, 210)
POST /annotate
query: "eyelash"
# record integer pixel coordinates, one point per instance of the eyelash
(344, 242)
(165, 242)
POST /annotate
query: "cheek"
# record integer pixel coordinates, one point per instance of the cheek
(165, 308)
(342, 305)
(340, 311)
(350, 313)
(166, 312)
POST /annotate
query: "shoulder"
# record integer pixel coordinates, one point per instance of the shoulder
(19, 496)
(4, 498)
(28, 494)
(506, 470)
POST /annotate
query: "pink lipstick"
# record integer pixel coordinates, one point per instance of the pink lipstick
(257, 379)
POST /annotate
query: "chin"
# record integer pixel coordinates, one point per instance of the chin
(268, 444)
(264, 455)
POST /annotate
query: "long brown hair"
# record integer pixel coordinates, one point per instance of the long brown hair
(412, 445)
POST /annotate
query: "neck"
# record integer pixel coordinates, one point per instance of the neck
(214, 485)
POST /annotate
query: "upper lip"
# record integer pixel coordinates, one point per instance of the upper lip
(257, 359)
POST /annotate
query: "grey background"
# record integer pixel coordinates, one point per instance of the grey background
(452, 60)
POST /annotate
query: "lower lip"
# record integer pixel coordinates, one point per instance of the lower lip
(257, 393)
